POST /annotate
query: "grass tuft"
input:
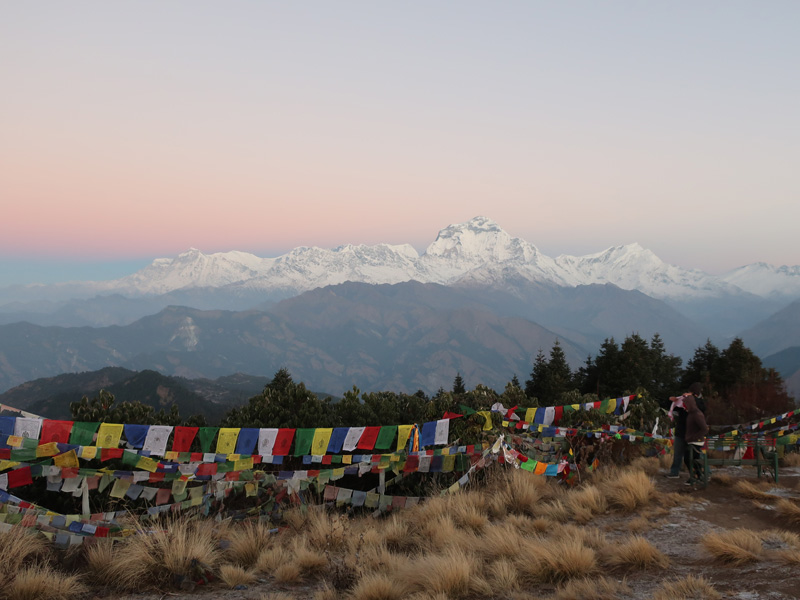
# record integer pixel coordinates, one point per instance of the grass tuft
(247, 542)
(635, 553)
(378, 586)
(788, 510)
(688, 588)
(596, 588)
(791, 459)
(750, 490)
(233, 575)
(737, 546)
(41, 582)
(629, 490)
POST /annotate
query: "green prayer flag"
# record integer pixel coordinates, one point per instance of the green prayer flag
(83, 433)
(386, 437)
(302, 441)
(206, 435)
(466, 410)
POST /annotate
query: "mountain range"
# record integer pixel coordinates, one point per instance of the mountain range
(386, 315)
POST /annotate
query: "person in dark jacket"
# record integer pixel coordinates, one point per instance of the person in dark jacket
(680, 452)
(696, 430)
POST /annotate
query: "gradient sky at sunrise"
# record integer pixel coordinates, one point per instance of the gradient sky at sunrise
(133, 130)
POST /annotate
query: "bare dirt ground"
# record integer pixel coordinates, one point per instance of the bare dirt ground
(675, 530)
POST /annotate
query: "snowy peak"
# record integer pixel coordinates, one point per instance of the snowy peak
(192, 268)
(478, 251)
(633, 267)
(766, 280)
(479, 240)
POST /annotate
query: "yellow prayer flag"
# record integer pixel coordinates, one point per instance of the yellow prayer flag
(347, 459)
(226, 440)
(234, 457)
(530, 414)
(171, 455)
(243, 464)
(250, 488)
(337, 474)
(147, 463)
(88, 452)
(14, 441)
(8, 464)
(49, 449)
(322, 437)
(108, 435)
(120, 487)
(403, 431)
(487, 416)
(67, 460)
(178, 487)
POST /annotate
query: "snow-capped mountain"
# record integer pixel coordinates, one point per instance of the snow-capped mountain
(478, 251)
(632, 267)
(766, 280)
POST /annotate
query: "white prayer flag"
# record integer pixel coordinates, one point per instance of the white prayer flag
(351, 441)
(156, 440)
(266, 440)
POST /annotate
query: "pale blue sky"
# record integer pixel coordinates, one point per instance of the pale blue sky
(133, 130)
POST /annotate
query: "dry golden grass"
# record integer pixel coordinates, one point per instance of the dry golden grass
(522, 493)
(454, 573)
(736, 546)
(788, 510)
(596, 588)
(288, 573)
(277, 596)
(307, 559)
(271, 559)
(247, 542)
(326, 592)
(651, 466)
(233, 575)
(665, 460)
(378, 586)
(41, 582)
(635, 553)
(501, 541)
(591, 537)
(750, 490)
(628, 490)
(586, 502)
(18, 547)
(503, 575)
(791, 459)
(781, 536)
(157, 559)
(688, 588)
(325, 530)
(788, 557)
(722, 479)
(469, 516)
(557, 559)
(639, 525)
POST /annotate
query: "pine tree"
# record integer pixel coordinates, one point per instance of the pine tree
(558, 376)
(534, 387)
(458, 385)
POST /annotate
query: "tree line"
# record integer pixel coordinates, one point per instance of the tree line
(736, 385)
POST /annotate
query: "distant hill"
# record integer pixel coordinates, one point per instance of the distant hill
(776, 333)
(787, 363)
(51, 396)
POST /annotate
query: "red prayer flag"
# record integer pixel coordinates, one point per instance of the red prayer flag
(183, 437)
(451, 415)
(207, 469)
(55, 431)
(412, 463)
(19, 477)
(109, 453)
(283, 442)
(162, 496)
(368, 438)
(559, 412)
